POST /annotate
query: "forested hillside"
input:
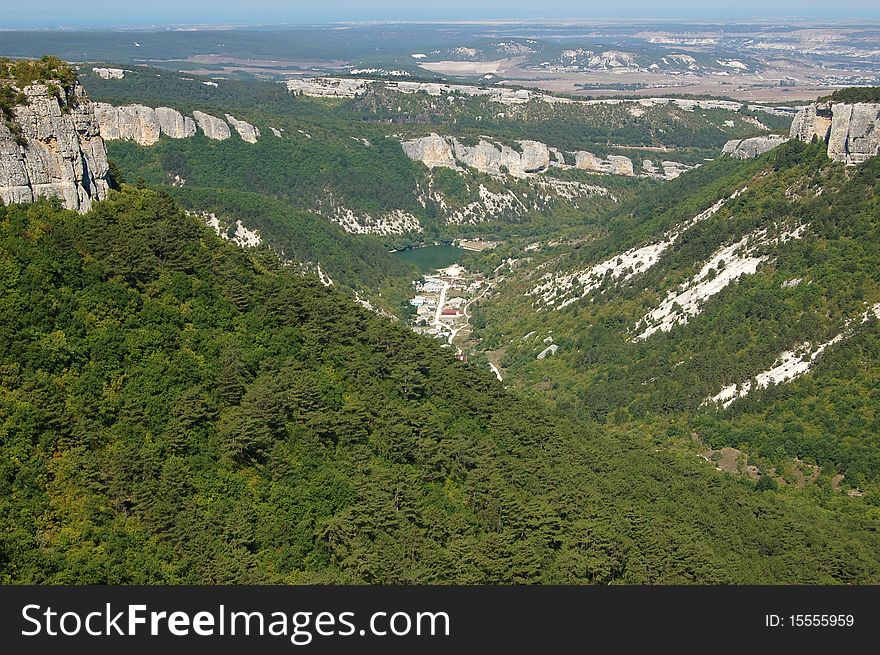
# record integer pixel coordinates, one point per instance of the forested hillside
(739, 301)
(176, 409)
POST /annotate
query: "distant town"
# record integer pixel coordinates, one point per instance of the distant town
(443, 298)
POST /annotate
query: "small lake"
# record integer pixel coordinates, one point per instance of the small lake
(430, 258)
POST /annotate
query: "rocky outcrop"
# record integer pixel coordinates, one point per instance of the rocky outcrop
(548, 351)
(342, 87)
(349, 87)
(556, 157)
(754, 147)
(245, 130)
(851, 130)
(175, 124)
(667, 170)
(335, 87)
(59, 151)
(498, 94)
(109, 73)
(432, 150)
(535, 158)
(211, 126)
(131, 122)
(494, 159)
(489, 158)
(613, 165)
(144, 125)
(855, 132)
(812, 120)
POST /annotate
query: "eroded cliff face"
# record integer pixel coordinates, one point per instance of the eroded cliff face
(812, 120)
(530, 159)
(855, 132)
(852, 131)
(432, 150)
(175, 124)
(132, 122)
(754, 147)
(613, 165)
(495, 159)
(144, 125)
(245, 130)
(59, 151)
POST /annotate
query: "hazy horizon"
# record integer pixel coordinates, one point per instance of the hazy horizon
(44, 14)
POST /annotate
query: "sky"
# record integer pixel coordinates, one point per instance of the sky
(57, 13)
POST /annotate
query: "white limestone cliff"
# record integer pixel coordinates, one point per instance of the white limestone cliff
(144, 124)
(347, 87)
(812, 120)
(59, 151)
(341, 87)
(754, 147)
(175, 124)
(855, 132)
(495, 159)
(535, 158)
(613, 165)
(432, 150)
(245, 130)
(212, 127)
(109, 73)
(666, 170)
(132, 123)
(852, 131)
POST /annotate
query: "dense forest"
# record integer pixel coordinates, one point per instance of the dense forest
(176, 409)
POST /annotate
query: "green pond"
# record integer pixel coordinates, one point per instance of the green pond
(430, 258)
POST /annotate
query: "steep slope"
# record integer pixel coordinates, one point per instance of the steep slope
(176, 409)
(49, 139)
(51, 145)
(752, 285)
(850, 128)
(359, 264)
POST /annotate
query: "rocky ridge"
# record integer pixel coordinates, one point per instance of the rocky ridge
(245, 130)
(495, 159)
(211, 126)
(344, 87)
(852, 131)
(533, 158)
(612, 165)
(754, 147)
(133, 123)
(109, 73)
(144, 125)
(340, 87)
(175, 124)
(58, 150)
